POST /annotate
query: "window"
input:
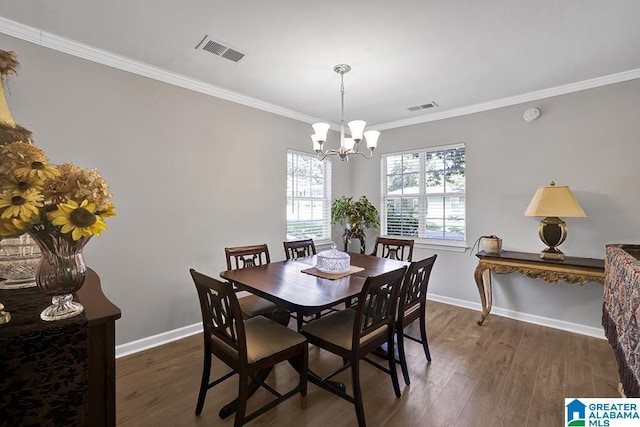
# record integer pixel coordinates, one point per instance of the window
(308, 197)
(423, 193)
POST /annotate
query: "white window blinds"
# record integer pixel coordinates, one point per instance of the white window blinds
(423, 193)
(308, 197)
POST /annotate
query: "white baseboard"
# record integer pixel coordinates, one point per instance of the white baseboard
(186, 331)
(157, 340)
(529, 318)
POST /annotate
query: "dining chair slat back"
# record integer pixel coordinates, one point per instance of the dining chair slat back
(251, 348)
(294, 249)
(353, 333)
(239, 257)
(398, 249)
(412, 306)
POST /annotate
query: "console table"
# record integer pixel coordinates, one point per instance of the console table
(571, 269)
(58, 373)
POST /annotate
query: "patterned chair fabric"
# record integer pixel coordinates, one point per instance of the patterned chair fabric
(621, 312)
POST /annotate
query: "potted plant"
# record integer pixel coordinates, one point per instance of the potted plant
(357, 216)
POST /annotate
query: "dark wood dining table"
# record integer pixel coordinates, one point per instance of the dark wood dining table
(293, 290)
(289, 287)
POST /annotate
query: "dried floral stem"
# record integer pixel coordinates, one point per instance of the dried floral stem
(8, 63)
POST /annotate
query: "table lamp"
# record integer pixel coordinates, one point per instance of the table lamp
(553, 201)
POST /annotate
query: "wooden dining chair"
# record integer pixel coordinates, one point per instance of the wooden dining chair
(353, 333)
(412, 306)
(251, 347)
(398, 249)
(294, 249)
(239, 257)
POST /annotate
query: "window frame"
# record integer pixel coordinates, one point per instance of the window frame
(325, 198)
(421, 240)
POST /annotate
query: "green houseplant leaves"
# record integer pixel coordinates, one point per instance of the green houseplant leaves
(356, 215)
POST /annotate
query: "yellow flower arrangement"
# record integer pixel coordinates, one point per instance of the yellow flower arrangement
(36, 194)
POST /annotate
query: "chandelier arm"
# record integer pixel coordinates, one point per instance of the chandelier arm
(354, 148)
(322, 154)
(364, 155)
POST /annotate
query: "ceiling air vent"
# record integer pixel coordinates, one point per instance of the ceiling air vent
(219, 49)
(431, 104)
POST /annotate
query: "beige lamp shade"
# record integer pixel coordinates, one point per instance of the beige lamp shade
(554, 201)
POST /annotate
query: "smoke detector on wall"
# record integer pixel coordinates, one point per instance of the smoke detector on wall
(531, 114)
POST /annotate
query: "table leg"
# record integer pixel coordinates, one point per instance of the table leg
(317, 379)
(489, 286)
(486, 297)
(281, 316)
(382, 351)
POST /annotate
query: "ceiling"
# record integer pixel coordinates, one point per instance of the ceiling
(406, 53)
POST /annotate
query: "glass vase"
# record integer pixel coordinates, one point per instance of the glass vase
(61, 271)
(19, 259)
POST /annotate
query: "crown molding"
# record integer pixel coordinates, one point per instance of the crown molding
(518, 99)
(90, 53)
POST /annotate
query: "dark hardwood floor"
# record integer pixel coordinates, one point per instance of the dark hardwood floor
(506, 372)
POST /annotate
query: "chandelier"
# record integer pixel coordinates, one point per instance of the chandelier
(350, 145)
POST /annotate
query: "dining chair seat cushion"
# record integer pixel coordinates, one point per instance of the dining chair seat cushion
(253, 305)
(266, 337)
(337, 328)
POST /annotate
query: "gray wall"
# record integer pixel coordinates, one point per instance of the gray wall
(588, 140)
(192, 174)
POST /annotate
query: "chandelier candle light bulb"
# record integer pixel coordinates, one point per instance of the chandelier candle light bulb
(349, 145)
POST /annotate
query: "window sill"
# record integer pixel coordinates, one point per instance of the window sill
(323, 244)
(442, 245)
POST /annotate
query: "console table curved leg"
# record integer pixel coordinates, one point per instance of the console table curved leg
(486, 275)
(486, 293)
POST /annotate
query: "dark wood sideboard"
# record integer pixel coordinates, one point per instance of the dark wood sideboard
(35, 353)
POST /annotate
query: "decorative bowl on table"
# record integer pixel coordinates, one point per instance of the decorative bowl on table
(333, 261)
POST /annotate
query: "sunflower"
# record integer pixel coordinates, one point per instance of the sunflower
(26, 156)
(21, 206)
(37, 169)
(80, 220)
(11, 227)
(20, 186)
(109, 211)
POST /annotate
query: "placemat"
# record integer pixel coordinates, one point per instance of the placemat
(332, 276)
